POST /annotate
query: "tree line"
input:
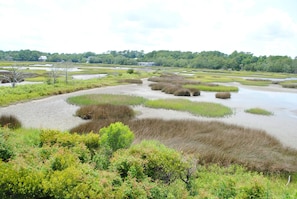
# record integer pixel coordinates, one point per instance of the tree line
(205, 59)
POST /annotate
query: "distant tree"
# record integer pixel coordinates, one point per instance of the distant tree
(54, 74)
(14, 76)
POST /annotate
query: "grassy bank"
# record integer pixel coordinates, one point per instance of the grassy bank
(35, 91)
(96, 99)
(206, 109)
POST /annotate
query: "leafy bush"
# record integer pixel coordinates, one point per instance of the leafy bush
(130, 71)
(151, 159)
(6, 151)
(116, 136)
(51, 137)
(223, 95)
(63, 159)
(10, 121)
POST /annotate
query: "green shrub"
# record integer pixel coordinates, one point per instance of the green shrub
(223, 95)
(91, 140)
(6, 151)
(20, 183)
(151, 159)
(130, 71)
(10, 121)
(63, 159)
(116, 136)
(255, 189)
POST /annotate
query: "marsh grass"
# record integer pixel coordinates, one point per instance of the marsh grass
(182, 92)
(178, 80)
(223, 95)
(212, 87)
(213, 142)
(95, 99)
(254, 82)
(131, 81)
(105, 111)
(220, 143)
(171, 89)
(206, 109)
(289, 84)
(259, 111)
(10, 121)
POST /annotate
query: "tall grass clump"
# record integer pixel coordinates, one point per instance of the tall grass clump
(105, 111)
(182, 92)
(171, 89)
(158, 86)
(219, 143)
(10, 121)
(223, 95)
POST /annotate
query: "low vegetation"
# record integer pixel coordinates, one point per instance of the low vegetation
(213, 87)
(258, 111)
(131, 81)
(206, 109)
(173, 81)
(95, 99)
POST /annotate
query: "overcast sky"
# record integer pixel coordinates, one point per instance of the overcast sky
(262, 27)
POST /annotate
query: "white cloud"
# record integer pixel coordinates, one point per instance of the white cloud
(188, 25)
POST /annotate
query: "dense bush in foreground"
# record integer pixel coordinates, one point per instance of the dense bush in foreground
(53, 164)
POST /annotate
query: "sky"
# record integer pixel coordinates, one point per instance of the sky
(261, 27)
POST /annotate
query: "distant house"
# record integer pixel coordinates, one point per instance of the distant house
(42, 58)
(146, 64)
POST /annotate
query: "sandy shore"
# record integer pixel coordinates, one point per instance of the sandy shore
(55, 113)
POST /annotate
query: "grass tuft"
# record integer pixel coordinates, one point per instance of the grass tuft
(258, 111)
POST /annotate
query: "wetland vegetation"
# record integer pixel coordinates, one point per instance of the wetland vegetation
(121, 156)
